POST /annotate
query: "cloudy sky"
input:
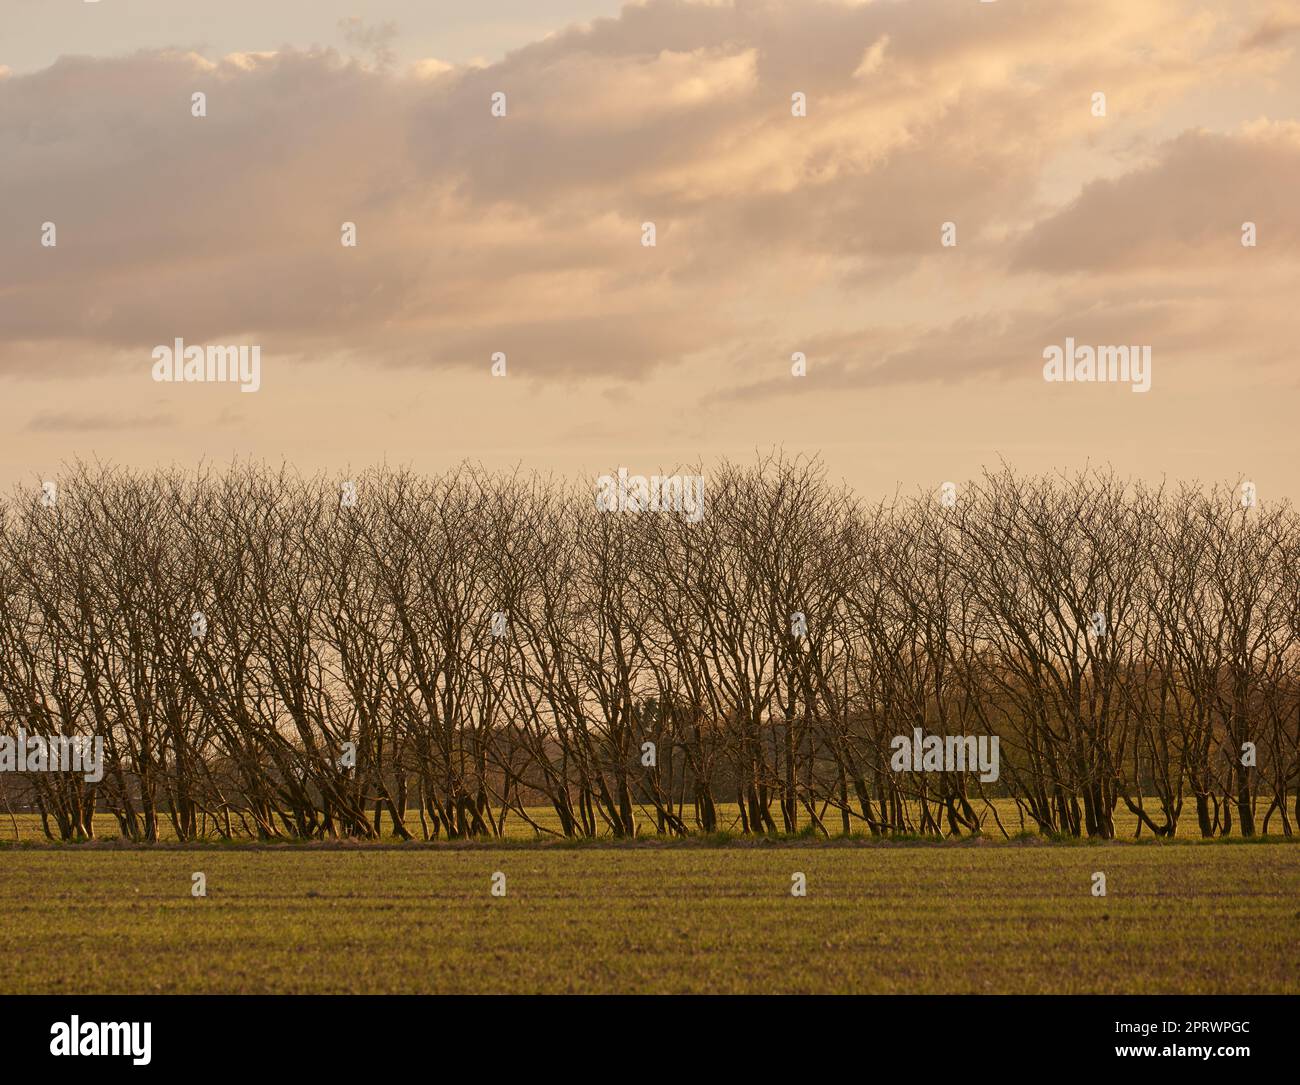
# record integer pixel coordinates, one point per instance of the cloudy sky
(774, 233)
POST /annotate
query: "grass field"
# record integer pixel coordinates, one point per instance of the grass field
(25, 828)
(652, 917)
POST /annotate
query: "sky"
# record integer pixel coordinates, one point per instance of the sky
(807, 167)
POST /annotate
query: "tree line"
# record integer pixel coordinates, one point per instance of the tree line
(272, 656)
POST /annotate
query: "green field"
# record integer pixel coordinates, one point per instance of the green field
(1196, 918)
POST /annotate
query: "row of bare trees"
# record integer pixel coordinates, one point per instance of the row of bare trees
(270, 656)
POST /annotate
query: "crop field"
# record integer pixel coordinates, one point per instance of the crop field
(654, 917)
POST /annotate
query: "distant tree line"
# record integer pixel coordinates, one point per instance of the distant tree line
(271, 656)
